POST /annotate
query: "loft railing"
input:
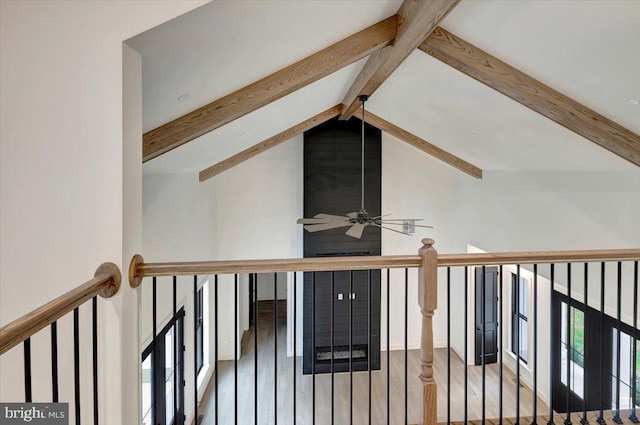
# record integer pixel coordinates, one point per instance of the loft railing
(323, 274)
(427, 263)
(105, 283)
(591, 335)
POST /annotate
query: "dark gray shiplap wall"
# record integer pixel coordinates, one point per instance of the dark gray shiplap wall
(332, 185)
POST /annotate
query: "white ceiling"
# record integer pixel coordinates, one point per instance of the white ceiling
(589, 51)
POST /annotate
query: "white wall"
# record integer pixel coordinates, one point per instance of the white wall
(550, 210)
(177, 225)
(415, 185)
(258, 203)
(127, 341)
(61, 153)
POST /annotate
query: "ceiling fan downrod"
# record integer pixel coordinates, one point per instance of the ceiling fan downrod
(357, 221)
(362, 98)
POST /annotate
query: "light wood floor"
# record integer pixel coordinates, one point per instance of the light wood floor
(341, 394)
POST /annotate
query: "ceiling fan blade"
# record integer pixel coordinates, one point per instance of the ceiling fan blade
(356, 230)
(330, 216)
(352, 215)
(393, 230)
(404, 219)
(380, 216)
(402, 224)
(313, 220)
(326, 226)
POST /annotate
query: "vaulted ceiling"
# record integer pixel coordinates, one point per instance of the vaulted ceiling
(499, 85)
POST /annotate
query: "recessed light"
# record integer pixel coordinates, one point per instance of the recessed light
(184, 97)
(633, 102)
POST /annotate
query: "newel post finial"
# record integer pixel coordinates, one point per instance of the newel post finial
(428, 300)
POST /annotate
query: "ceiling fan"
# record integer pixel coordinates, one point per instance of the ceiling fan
(361, 219)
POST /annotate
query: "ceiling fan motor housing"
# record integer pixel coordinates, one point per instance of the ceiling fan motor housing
(362, 218)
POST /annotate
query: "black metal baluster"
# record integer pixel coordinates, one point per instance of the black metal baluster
(388, 352)
(406, 348)
(255, 347)
(195, 349)
(551, 344)
(600, 419)
(448, 345)
(27, 370)
(275, 348)
(501, 348)
(369, 337)
(76, 361)
(584, 420)
(351, 347)
(616, 417)
(175, 349)
(482, 349)
(466, 343)
(235, 347)
(332, 352)
(295, 338)
(313, 348)
(518, 345)
(535, 344)
(94, 311)
(567, 421)
(633, 418)
(54, 362)
(215, 346)
(154, 324)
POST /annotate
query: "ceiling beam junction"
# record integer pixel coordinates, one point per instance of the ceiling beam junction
(416, 20)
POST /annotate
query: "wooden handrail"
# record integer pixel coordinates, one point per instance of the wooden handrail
(138, 269)
(537, 257)
(106, 283)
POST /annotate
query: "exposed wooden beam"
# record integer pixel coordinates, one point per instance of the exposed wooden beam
(269, 143)
(423, 145)
(267, 90)
(533, 94)
(416, 20)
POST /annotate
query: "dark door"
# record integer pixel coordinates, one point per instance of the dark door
(490, 307)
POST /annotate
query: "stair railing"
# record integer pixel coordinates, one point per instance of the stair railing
(105, 283)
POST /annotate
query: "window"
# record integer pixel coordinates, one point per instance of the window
(199, 304)
(202, 331)
(519, 320)
(572, 348)
(147, 399)
(161, 373)
(626, 369)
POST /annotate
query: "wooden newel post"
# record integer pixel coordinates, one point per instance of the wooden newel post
(428, 299)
